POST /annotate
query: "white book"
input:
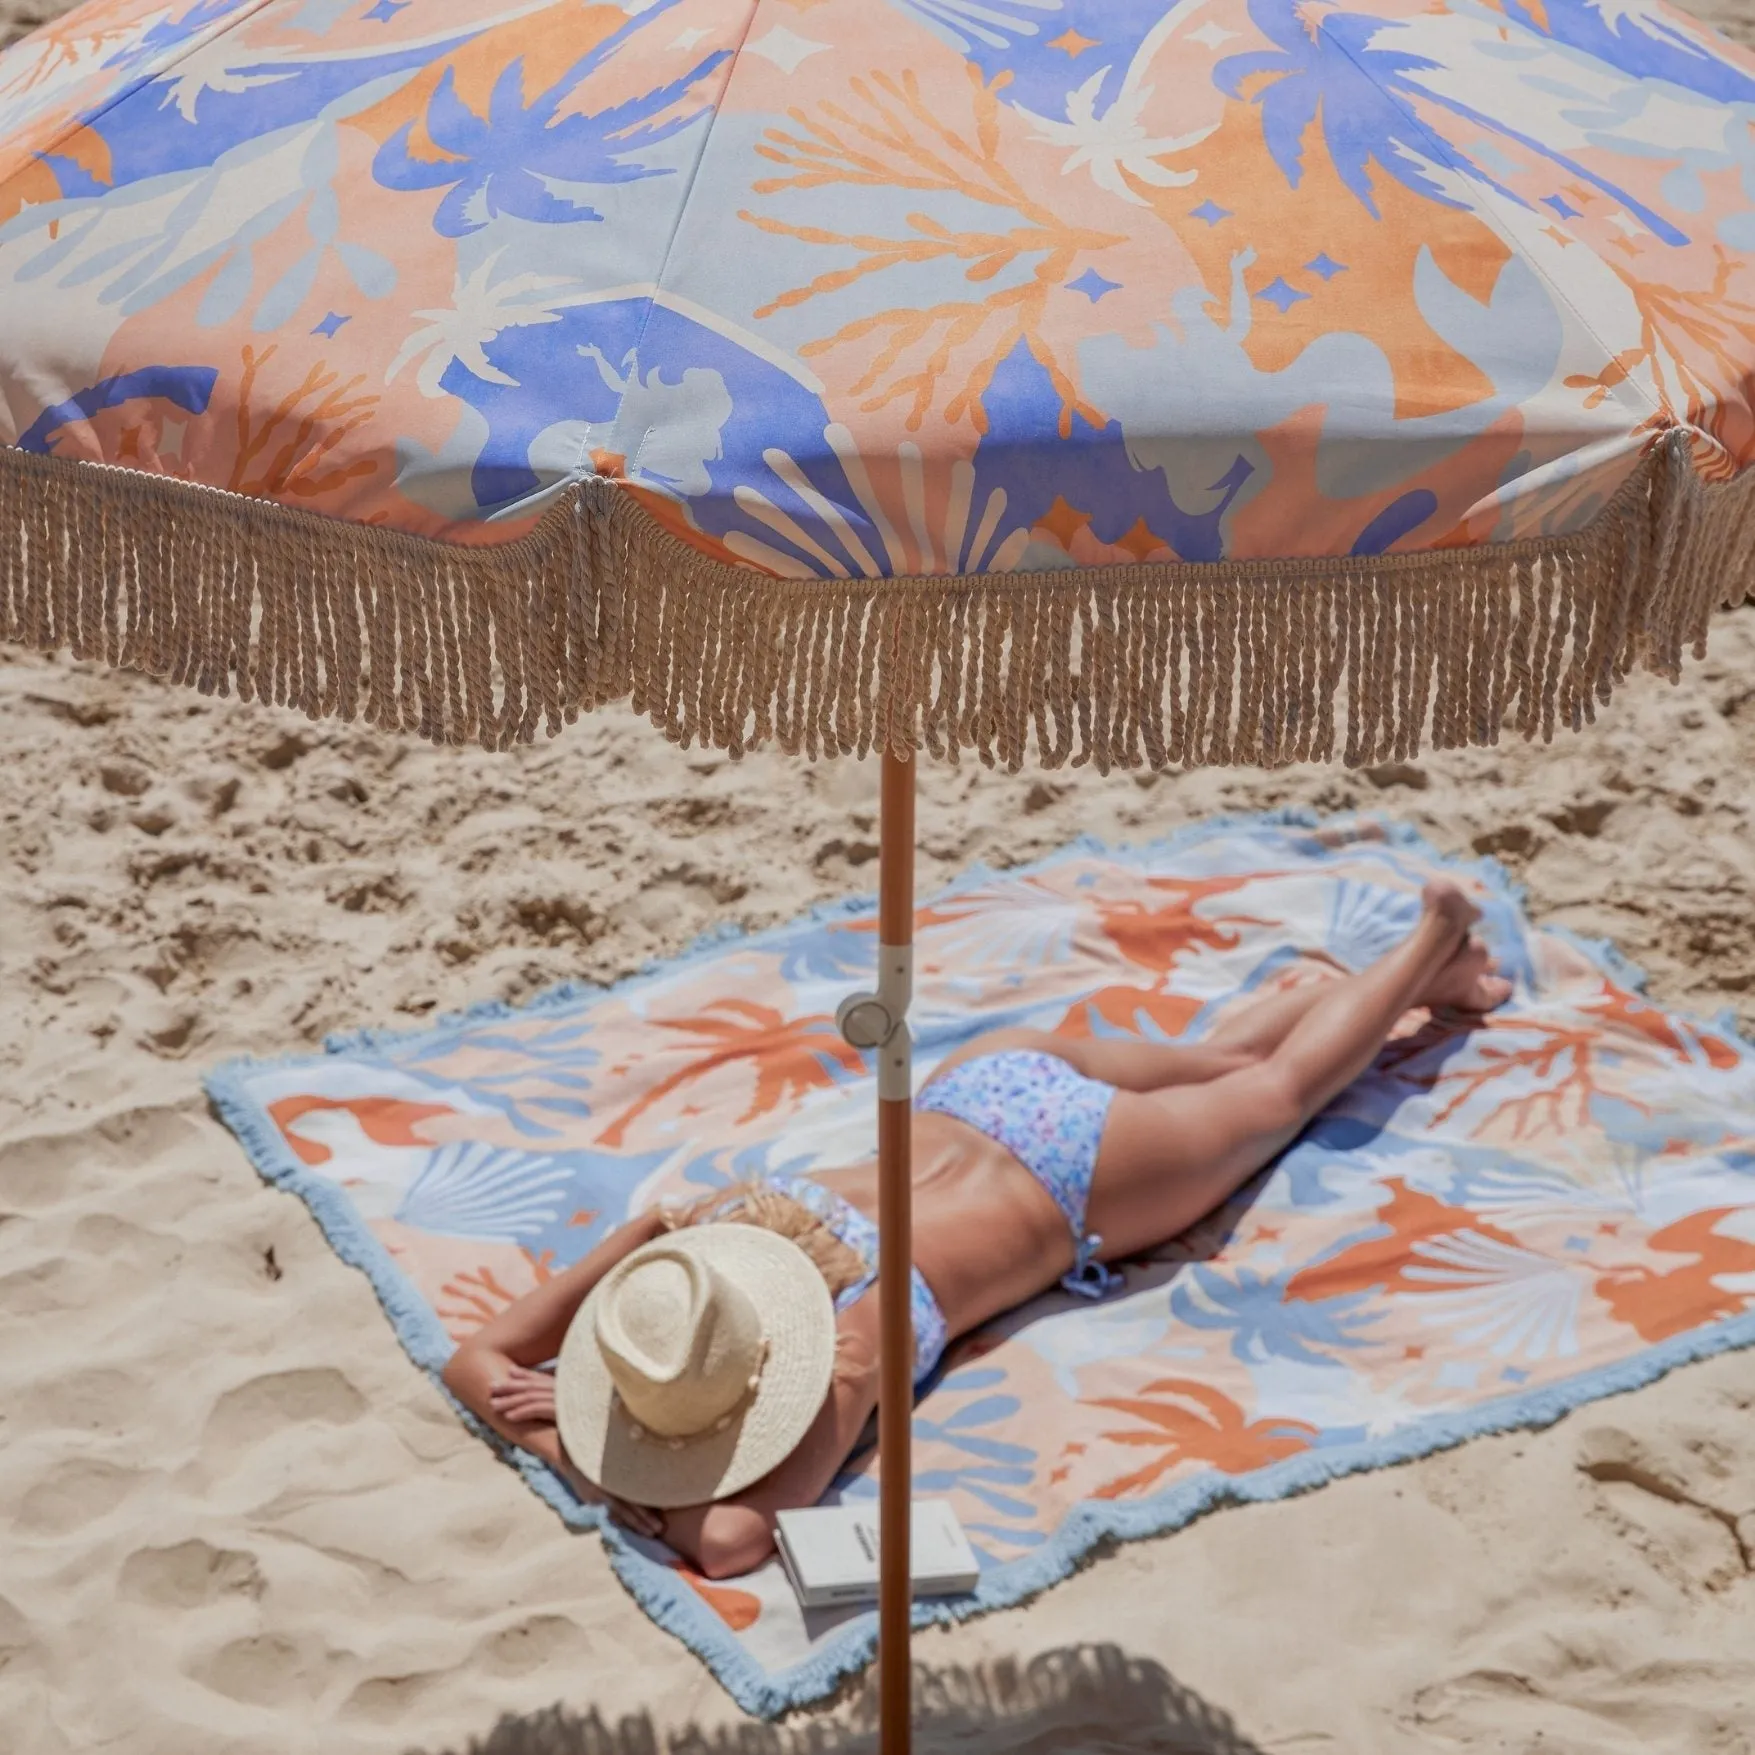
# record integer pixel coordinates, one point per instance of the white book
(830, 1552)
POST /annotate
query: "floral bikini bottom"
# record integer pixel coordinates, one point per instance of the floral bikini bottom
(1047, 1115)
(1050, 1117)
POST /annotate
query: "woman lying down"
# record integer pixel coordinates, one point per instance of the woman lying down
(718, 1365)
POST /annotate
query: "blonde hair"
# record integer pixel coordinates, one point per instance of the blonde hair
(754, 1203)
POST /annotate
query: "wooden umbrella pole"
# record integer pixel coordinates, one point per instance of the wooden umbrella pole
(895, 1256)
(879, 1021)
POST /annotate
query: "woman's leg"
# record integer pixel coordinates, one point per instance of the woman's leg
(1132, 1065)
(1170, 1156)
(1256, 1030)
(1261, 1026)
(1119, 1061)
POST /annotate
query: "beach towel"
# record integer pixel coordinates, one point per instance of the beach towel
(1491, 1227)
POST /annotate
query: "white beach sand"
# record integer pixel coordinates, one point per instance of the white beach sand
(233, 1517)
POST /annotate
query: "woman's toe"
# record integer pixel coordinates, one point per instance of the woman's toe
(1493, 991)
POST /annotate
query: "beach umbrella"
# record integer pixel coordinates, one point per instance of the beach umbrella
(1108, 381)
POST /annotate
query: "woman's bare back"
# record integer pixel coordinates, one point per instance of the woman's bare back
(986, 1237)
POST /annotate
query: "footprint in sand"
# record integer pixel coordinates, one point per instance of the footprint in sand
(264, 1405)
(81, 1491)
(126, 1247)
(37, 1172)
(1684, 1516)
(384, 1699)
(93, 1400)
(1464, 1705)
(486, 1535)
(265, 1669)
(42, 1171)
(47, 1288)
(189, 1575)
(530, 1644)
(106, 1259)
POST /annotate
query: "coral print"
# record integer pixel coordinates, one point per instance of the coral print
(1497, 1223)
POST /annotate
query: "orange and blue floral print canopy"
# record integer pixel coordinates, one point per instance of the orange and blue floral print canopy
(876, 287)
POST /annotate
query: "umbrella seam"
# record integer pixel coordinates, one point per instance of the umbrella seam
(580, 467)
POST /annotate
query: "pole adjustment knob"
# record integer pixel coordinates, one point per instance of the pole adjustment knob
(864, 1020)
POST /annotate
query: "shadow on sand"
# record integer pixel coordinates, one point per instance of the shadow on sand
(1083, 1700)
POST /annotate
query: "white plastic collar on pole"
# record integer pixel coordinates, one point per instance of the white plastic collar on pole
(880, 1020)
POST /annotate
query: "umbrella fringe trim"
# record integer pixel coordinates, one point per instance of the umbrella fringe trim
(1182, 664)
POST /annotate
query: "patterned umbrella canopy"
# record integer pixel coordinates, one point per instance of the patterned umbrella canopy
(1231, 380)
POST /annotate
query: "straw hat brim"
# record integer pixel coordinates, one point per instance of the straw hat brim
(609, 1448)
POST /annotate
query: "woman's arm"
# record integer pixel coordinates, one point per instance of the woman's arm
(529, 1331)
(736, 1535)
(491, 1375)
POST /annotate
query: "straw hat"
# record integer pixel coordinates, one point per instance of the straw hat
(696, 1365)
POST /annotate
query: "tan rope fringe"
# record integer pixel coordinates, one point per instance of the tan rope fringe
(1187, 664)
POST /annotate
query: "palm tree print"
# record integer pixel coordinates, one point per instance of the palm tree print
(522, 156)
(1328, 69)
(1188, 1422)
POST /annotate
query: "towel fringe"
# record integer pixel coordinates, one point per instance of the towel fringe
(1256, 663)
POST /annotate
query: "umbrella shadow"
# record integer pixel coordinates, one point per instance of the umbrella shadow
(1080, 1700)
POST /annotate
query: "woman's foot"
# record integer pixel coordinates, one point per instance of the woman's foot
(1445, 902)
(1467, 983)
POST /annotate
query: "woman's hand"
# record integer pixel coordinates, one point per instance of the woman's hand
(524, 1397)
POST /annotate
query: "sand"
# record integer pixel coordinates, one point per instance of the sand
(234, 1518)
